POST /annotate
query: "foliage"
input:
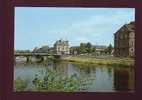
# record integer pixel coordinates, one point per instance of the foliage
(20, 85)
(109, 49)
(83, 48)
(54, 82)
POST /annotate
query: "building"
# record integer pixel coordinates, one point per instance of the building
(124, 41)
(94, 49)
(43, 49)
(99, 49)
(61, 47)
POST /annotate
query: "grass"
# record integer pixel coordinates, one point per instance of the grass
(100, 61)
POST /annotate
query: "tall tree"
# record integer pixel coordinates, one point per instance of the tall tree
(88, 47)
(109, 49)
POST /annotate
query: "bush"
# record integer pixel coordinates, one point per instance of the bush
(20, 85)
(53, 82)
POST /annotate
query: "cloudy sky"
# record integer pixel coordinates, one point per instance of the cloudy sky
(37, 26)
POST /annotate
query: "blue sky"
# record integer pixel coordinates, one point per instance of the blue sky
(38, 26)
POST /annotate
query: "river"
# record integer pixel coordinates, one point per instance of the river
(103, 78)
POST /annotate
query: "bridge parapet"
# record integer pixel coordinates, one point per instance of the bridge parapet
(34, 54)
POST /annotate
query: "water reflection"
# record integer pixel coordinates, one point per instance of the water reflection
(98, 78)
(123, 79)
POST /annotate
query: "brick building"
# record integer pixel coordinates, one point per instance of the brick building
(124, 41)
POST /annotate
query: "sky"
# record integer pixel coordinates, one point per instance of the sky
(39, 26)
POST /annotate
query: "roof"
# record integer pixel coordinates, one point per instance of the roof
(100, 46)
(61, 42)
(130, 27)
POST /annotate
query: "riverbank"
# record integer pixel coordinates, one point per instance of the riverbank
(124, 62)
(57, 76)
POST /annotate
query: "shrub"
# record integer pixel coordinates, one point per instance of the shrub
(53, 82)
(20, 85)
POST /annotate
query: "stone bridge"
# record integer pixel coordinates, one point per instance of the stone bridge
(41, 56)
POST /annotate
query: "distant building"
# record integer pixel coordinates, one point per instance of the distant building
(96, 49)
(51, 50)
(124, 41)
(61, 47)
(100, 50)
(100, 47)
(43, 49)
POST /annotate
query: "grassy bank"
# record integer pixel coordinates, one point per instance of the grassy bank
(100, 61)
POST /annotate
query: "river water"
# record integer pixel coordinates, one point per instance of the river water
(103, 78)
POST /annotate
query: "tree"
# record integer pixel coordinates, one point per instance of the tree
(88, 47)
(83, 48)
(93, 49)
(109, 49)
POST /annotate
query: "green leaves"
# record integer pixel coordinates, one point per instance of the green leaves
(52, 82)
(20, 85)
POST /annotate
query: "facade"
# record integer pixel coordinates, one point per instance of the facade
(61, 47)
(124, 41)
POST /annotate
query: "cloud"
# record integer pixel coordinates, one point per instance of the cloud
(95, 24)
(97, 27)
